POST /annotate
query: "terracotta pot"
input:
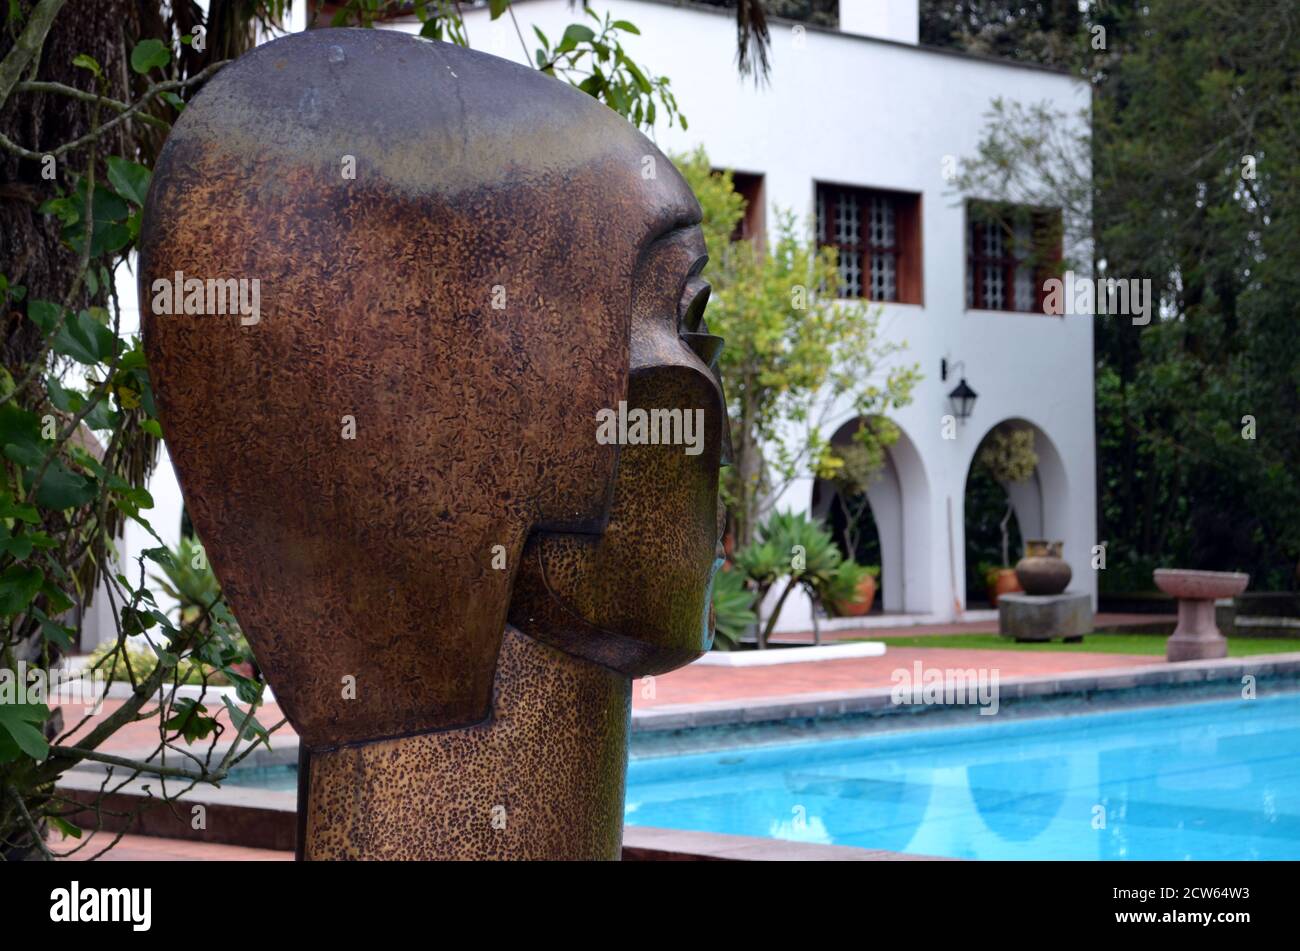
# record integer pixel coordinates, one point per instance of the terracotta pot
(866, 598)
(1003, 582)
(1043, 570)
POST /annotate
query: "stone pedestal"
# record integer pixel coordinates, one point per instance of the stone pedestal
(1196, 637)
(1225, 616)
(1045, 617)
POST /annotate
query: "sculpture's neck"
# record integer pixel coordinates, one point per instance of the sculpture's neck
(542, 778)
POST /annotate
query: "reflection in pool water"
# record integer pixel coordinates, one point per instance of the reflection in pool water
(1194, 781)
(1214, 780)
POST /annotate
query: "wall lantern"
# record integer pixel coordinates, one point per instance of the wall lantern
(962, 396)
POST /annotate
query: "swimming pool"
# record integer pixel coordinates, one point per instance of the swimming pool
(1217, 780)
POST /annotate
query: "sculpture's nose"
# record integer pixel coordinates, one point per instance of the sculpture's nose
(725, 459)
(706, 346)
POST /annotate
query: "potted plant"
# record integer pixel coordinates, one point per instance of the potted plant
(863, 595)
(999, 580)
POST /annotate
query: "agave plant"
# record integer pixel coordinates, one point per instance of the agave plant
(793, 547)
(733, 608)
(189, 579)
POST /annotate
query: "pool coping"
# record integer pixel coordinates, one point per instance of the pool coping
(267, 819)
(874, 707)
(879, 701)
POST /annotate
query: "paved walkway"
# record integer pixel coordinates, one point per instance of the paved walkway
(141, 848)
(1102, 622)
(700, 684)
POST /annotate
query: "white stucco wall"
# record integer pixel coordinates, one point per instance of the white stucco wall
(860, 111)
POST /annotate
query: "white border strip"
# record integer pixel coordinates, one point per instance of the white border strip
(791, 655)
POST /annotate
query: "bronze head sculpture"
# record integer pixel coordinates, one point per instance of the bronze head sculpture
(393, 457)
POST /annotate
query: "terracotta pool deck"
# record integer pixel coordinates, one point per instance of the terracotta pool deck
(147, 848)
(638, 844)
(695, 685)
(698, 684)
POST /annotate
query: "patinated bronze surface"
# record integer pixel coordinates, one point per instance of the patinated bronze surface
(543, 779)
(396, 465)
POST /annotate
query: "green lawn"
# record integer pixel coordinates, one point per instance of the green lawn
(1100, 643)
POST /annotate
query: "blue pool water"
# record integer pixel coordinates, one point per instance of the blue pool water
(1216, 780)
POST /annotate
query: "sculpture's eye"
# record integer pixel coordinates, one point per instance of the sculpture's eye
(690, 311)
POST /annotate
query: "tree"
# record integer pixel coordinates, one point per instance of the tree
(1192, 186)
(1008, 456)
(1036, 31)
(794, 353)
(86, 97)
(859, 463)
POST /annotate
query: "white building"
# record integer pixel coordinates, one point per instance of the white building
(867, 121)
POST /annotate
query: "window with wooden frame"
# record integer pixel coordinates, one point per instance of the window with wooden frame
(878, 237)
(1011, 250)
(749, 186)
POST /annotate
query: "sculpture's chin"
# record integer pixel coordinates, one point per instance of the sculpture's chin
(578, 593)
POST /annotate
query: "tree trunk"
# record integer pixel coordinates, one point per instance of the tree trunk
(32, 254)
(31, 251)
(776, 613)
(1006, 537)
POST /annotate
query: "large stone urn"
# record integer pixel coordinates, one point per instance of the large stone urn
(1043, 570)
(1197, 636)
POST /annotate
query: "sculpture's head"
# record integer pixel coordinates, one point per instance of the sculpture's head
(403, 437)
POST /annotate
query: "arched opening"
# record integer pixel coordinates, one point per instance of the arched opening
(1015, 490)
(875, 526)
(851, 522)
(991, 527)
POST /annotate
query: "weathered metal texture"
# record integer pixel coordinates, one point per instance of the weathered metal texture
(477, 183)
(542, 780)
